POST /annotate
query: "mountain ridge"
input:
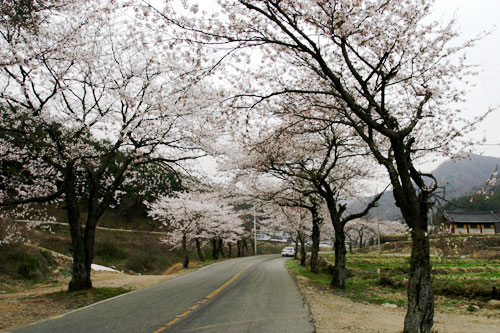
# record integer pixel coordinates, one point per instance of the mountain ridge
(457, 177)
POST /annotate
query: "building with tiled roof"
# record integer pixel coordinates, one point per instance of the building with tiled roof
(472, 222)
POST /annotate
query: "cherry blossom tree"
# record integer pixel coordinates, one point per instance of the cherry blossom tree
(197, 216)
(485, 191)
(328, 162)
(251, 207)
(224, 226)
(391, 227)
(10, 232)
(183, 215)
(296, 220)
(85, 100)
(381, 67)
(358, 229)
(288, 192)
(28, 14)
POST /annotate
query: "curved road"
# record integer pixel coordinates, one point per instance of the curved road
(254, 294)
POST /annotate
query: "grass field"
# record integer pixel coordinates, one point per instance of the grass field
(457, 282)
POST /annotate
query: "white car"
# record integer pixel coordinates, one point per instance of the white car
(288, 252)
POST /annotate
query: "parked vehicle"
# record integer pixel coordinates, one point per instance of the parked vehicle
(288, 252)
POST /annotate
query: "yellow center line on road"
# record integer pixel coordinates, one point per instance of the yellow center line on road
(211, 295)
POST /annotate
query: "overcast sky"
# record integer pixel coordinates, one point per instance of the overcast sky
(474, 17)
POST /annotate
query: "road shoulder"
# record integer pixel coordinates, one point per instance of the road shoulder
(35, 304)
(334, 313)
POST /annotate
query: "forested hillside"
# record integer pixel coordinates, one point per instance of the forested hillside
(461, 180)
(463, 176)
(476, 202)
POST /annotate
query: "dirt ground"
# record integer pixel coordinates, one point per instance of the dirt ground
(29, 306)
(331, 313)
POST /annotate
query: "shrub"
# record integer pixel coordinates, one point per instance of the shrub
(449, 245)
(491, 253)
(109, 251)
(393, 238)
(446, 288)
(399, 245)
(141, 262)
(386, 281)
(22, 262)
(328, 269)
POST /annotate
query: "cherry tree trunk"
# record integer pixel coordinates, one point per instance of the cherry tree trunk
(238, 245)
(230, 250)
(302, 252)
(220, 248)
(295, 254)
(83, 254)
(253, 245)
(315, 247)
(215, 253)
(420, 313)
(244, 247)
(339, 270)
(80, 277)
(185, 261)
(199, 250)
(82, 241)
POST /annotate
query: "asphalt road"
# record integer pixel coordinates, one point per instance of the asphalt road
(254, 294)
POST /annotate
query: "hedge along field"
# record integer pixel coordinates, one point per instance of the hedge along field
(463, 284)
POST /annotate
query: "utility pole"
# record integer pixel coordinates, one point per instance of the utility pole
(254, 230)
(378, 232)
